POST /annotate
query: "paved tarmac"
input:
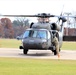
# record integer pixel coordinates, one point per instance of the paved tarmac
(37, 54)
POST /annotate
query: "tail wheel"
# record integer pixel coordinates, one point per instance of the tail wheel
(25, 51)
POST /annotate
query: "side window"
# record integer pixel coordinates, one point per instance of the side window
(26, 34)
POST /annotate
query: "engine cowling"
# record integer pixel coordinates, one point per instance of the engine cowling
(41, 26)
(54, 26)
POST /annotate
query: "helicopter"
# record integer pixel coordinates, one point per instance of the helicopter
(40, 35)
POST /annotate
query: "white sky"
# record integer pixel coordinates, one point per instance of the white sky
(36, 6)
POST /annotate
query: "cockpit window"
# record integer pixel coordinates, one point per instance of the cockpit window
(26, 34)
(35, 34)
(41, 34)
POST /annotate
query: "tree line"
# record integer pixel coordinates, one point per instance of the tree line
(11, 29)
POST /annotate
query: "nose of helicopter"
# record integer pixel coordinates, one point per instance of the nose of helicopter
(34, 44)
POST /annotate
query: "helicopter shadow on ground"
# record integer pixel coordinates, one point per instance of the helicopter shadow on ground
(38, 54)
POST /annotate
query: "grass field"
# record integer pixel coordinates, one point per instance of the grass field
(13, 43)
(9, 43)
(22, 66)
(69, 46)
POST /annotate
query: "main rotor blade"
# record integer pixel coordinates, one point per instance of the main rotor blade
(19, 15)
(65, 16)
(27, 16)
(37, 16)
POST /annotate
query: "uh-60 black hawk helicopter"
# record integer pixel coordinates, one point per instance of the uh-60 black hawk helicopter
(40, 35)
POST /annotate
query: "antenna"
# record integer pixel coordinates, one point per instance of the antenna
(60, 15)
(62, 10)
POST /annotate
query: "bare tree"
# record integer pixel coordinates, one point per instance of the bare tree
(22, 21)
(74, 20)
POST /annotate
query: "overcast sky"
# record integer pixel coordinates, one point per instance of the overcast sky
(36, 6)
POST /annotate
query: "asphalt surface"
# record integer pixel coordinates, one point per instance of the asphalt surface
(37, 54)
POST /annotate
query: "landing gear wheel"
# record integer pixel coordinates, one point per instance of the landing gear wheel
(55, 53)
(25, 51)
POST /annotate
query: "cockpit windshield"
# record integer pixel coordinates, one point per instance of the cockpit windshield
(35, 34)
